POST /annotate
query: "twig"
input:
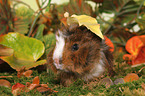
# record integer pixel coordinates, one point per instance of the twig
(38, 4)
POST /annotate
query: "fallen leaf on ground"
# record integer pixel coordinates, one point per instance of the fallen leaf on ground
(5, 83)
(131, 77)
(17, 88)
(6, 76)
(28, 73)
(44, 89)
(36, 80)
(31, 86)
(106, 81)
(23, 72)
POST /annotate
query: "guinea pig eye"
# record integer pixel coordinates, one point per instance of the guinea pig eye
(75, 47)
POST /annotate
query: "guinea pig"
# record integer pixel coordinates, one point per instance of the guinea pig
(79, 54)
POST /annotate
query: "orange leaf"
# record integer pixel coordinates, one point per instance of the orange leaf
(36, 80)
(128, 58)
(140, 58)
(28, 73)
(5, 83)
(136, 47)
(131, 77)
(109, 43)
(133, 45)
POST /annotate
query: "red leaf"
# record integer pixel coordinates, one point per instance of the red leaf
(140, 58)
(17, 88)
(17, 85)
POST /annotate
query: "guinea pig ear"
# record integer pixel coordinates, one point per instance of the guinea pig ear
(73, 26)
(63, 28)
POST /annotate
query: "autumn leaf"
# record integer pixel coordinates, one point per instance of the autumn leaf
(131, 77)
(5, 83)
(136, 47)
(26, 51)
(23, 72)
(6, 76)
(40, 87)
(88, 21)
(109, 43)
(18, 87)
(36, 80)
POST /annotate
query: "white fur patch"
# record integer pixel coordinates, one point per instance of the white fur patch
(58, 51)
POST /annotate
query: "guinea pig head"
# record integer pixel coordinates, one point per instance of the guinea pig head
(77, 50)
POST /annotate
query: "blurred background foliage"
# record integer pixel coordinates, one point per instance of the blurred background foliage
(119, 19)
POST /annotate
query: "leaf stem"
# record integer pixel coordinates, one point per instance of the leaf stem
(33, 24)
(40, 12)
(140, 8)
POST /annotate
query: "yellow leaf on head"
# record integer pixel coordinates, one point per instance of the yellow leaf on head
(90, 22)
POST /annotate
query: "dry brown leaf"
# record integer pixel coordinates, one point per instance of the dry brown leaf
(44, 85)
(44, 89)
(5, 83)
(23, 72)
(28, 73)
(32, 86)
(131, 77)
(20, 72)
(6, 76)
(36, 80)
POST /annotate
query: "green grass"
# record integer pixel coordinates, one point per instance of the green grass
(79, 87)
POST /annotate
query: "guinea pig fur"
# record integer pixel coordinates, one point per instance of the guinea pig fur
(79, 53)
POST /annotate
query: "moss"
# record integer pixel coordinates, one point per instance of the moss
(77, 88)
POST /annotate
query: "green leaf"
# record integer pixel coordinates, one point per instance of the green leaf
(49, 41)
(24, 18)
(141, 22)
(26, 50)
(39, 33)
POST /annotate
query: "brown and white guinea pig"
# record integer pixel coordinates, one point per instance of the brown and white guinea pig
(79, 53)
